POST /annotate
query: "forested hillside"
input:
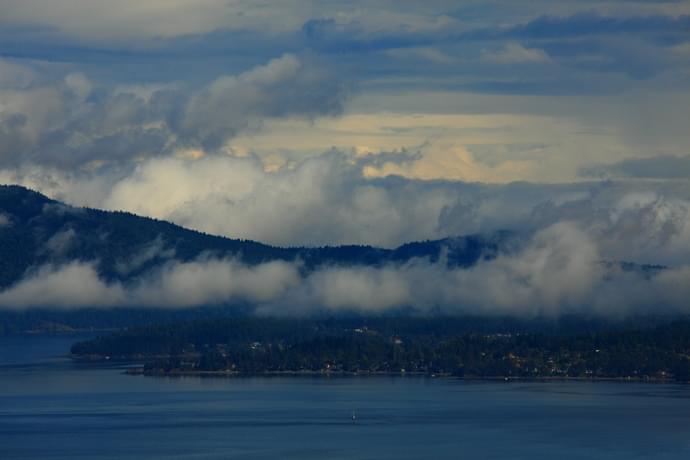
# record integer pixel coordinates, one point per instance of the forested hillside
(466, 347)
(35, 230)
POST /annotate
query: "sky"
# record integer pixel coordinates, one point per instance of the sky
(378, 122)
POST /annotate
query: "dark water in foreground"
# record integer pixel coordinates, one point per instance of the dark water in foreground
(51, 408)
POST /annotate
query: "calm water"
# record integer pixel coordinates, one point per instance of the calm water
(51, 408)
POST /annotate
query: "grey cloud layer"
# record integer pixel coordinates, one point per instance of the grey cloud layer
(208, 78)
(70, 124)
(557, 272)
(658, 167)
(585, 46)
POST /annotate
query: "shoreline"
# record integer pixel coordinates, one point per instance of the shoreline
(306, 373)
(135, 366)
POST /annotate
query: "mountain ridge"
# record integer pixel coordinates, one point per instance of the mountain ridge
(36, 230)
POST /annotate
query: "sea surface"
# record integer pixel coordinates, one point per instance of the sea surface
(52, 408)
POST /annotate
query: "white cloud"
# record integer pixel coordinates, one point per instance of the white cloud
(15, 76)
(323, 200)
(174, 285)
(207, 282)
(60, 242)
(328, 200)
(515, 53)
(636, 225)
(70, 286)
(556, 272)
(156, 249)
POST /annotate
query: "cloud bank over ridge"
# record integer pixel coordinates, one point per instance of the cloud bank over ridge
(326, 123)
(328, 200)
(558, 271)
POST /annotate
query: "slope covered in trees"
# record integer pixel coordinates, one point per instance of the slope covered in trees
(35, 230)
(467, 347)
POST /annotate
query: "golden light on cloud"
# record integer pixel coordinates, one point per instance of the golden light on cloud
(449, 163)
(190, 154)
(273, 162)
(448, 144)
(378, 131)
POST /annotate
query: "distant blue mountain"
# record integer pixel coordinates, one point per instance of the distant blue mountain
(36, 230)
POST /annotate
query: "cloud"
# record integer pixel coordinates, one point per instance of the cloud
(594, 23)
(558, 271)
(445, 162)
(15, 76)
(514, 53)
(71, 286)
(71, 123)
(357, 33)
(348, 198)
(212, 281)
(429, 54)
(172, 285)
(76, 98)
(215, 115)
(155, 250)
(659, 167)
(60, 243)
(320, 200)
(639, 225)
(323, 200)
(555, 272)
(131, 22)
(329, 200)
(283, 87)
(619, 43)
